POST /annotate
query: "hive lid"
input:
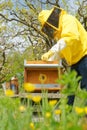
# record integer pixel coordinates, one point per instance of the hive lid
(41, 64)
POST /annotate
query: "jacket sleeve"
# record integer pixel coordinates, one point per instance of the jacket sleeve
(58, 46)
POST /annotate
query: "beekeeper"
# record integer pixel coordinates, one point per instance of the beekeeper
(71, 41)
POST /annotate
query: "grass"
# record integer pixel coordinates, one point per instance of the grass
(17, 115)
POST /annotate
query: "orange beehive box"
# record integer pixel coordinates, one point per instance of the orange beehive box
(42, 74)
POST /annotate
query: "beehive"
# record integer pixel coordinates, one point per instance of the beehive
(43, 74)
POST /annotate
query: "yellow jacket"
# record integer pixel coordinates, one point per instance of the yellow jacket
(73, 33)
(75, 37)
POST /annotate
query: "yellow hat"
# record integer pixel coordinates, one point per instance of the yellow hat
(44, 15)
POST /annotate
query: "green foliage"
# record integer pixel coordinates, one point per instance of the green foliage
(70, 82)
(70, 118)
(6, 5)
(71, 86)
(15, 64)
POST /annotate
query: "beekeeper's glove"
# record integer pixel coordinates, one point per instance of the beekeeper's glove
(47, 55)
(54, 50)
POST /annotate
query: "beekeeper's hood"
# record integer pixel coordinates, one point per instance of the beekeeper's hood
(49, 20)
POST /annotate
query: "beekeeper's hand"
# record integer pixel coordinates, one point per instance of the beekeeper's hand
(54, 50)
(47, 55)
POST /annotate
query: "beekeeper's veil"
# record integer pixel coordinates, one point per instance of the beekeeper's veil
(49, 20)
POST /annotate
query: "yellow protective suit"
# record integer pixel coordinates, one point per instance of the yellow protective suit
(72, 32)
